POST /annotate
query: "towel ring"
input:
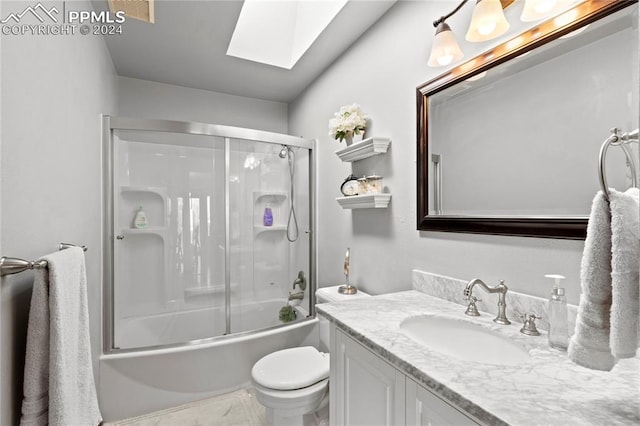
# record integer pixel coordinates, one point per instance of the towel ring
(621, 140)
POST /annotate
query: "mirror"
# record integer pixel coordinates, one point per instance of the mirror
(508, 142)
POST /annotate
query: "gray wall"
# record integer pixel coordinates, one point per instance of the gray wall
(53, 92)
(148, 99)
(381, 72)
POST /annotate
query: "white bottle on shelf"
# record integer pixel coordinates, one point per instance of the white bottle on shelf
(140, 221)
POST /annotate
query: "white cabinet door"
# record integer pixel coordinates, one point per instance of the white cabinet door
(425, 409)
(365, 390)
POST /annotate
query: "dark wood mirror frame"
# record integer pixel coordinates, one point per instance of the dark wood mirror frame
(574, 228)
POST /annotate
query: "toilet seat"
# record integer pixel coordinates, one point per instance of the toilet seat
(291, 369)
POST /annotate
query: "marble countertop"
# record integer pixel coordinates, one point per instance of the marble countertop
(547, 390)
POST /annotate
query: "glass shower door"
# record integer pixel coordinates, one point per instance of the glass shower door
(263, 262)
(225, 247)
(169, 276)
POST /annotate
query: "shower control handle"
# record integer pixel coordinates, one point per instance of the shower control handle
(119, 237)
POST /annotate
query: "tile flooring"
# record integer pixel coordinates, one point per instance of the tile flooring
(236, 408)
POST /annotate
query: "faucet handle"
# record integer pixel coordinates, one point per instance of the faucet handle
(472, 310)
(529, 326)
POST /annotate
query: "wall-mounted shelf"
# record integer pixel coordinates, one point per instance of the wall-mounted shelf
(366, 201)
(274, 228)
(367, 148)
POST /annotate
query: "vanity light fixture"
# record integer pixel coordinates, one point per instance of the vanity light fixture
(445, 48)
(538, 9)
(487, 22)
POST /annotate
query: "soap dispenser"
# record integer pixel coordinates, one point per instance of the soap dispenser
(140, 220)
(557, 312)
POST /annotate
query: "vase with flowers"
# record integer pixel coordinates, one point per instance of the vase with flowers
(348, 124)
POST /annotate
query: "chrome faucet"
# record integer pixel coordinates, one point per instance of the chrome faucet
(501, 289)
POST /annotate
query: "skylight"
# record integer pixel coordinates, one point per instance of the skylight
(278, 33)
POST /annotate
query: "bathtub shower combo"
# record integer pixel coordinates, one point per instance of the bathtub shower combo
(192, 297)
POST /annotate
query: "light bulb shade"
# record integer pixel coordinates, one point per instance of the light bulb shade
(538, 9)
(487, 22)
(445, 48)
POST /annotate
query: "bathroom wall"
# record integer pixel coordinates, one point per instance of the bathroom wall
(148, 99)
(54, 89)
(381, 72)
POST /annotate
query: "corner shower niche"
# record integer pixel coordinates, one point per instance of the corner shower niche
(154, 203)
(206, 265)
(144, 247)
(276, 201)
(269, 241)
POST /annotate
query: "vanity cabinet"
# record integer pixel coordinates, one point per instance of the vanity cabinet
(364, 389)
(367, 390)
(423, 408)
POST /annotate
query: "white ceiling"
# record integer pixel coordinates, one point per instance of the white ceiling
(187, 47)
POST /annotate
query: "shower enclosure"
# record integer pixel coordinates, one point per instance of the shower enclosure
(228, 233)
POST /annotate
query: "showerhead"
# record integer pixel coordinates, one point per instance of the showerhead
(284, 151)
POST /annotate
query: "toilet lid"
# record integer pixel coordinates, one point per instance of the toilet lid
(289, 369)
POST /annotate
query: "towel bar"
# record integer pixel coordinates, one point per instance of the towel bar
(15, 265)
(621, 140)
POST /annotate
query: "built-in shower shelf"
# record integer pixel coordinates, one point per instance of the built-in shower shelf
(161, 192)
(366, 201)
(152, 230)
(152, 199)
(364, 149)
(275, 228)
(270, 197)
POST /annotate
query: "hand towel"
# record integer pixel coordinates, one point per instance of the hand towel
(35, 404)
(589, 345)
(625, 272)
(59, 386)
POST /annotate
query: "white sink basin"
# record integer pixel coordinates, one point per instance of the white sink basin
(463, 340)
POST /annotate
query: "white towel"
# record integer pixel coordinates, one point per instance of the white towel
(589, 345)
(59, 387)
(625, 272)
(607, 325)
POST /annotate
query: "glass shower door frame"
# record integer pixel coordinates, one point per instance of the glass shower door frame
(111, 124)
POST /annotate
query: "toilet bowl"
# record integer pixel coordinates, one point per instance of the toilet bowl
(293, 384)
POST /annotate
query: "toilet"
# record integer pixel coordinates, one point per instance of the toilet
(293, 384)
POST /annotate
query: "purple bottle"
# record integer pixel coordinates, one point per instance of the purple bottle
(267, 219)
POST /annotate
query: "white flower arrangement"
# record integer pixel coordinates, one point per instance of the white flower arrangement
(347, 122)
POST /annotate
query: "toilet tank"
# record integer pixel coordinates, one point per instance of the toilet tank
(328, 295)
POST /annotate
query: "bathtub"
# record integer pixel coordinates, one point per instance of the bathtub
(177, 327)
(141, 381)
